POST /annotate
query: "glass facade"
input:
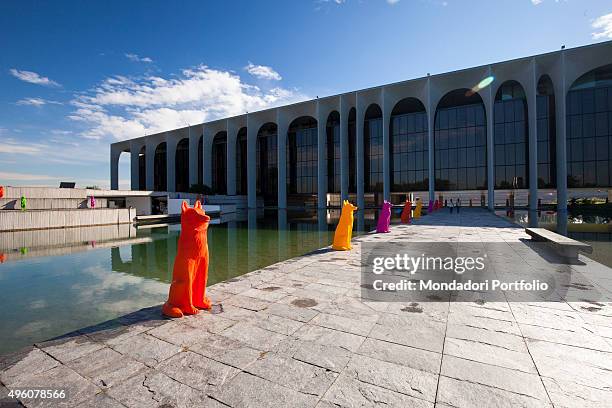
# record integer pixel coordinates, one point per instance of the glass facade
(333, 153)
(181, 166)
(510, 137)
(200, 161)
(160, 173)
(142, 169)
(352, 150)
(373, 150)
(460, 146)
(589, 130)
(241, 162)
(302, 158)
(267, 164)
(547, 149)
(219, 160)
(409, 152)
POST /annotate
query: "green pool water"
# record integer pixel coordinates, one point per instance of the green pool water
(56, 281)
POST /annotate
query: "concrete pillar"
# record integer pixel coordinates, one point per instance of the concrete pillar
(532, 120)
(490, 148)
(321, 158)
(134, 165)
(171, 143)
(114, 167)
(207, 157)
(252, 129)
(560, 106)
(150, 164)
(360, 168)
(194, 139)
(344, 149)
(231, 157)
(283, 128)
(431, 171)
(386, 116)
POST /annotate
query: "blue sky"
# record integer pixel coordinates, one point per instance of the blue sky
(77, 75)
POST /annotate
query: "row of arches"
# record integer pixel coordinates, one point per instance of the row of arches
(459, 145)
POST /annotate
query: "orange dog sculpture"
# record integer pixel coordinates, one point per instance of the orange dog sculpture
(188, 288)
(344, 230)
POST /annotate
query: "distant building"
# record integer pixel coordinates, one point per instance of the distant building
(516, 128)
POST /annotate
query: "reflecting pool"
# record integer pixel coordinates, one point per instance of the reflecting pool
(56, 281)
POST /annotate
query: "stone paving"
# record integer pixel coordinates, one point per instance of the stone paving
(297, 334)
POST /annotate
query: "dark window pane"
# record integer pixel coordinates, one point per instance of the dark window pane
(589, 148)
(601, 124)
(601, 145)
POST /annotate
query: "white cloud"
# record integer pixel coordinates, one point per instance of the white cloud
(32, 77)
(536, 2)
(25, 176)
(604, 26)
(263, 72)
(122, 108)
(12, 147)
(392, 2)
(38, 102)
(136, 58)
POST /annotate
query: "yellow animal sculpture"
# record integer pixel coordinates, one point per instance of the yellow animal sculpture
(344, 230)
(417, 210)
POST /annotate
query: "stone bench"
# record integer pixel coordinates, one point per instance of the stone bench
(563, 245)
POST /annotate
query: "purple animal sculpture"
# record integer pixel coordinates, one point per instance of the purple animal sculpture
(384, 219)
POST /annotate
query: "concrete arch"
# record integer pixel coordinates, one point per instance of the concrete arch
(511, 137)
(409, 150)
(142, 168)
(302, 160)
(267, 163)
(460, 141)
(219, 162)
(241, 161)
(160, 173)
(589, 135)
(334, 156)
(200, 178)
(546, 133)
(352, 150)
(373, 153)
(181, 165)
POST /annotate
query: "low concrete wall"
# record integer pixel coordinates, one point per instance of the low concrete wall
(43, 219)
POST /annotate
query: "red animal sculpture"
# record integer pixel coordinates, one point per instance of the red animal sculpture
(188, 288)
(406, 212)
(1, 191)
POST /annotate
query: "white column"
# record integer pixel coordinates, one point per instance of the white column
(194, 139)
(252, 129)
(562, 194)
(490, 149)
(386, 151)
(360, 153)
(114, 167)
(431, 171)
(344, 159)
(283, 127)
(532, 120)
(150, 164)
(171, 143)
(134, 165)
(231, 158)
(321, 158)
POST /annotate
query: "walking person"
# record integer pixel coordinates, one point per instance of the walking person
(458, 204)
(451, 206)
